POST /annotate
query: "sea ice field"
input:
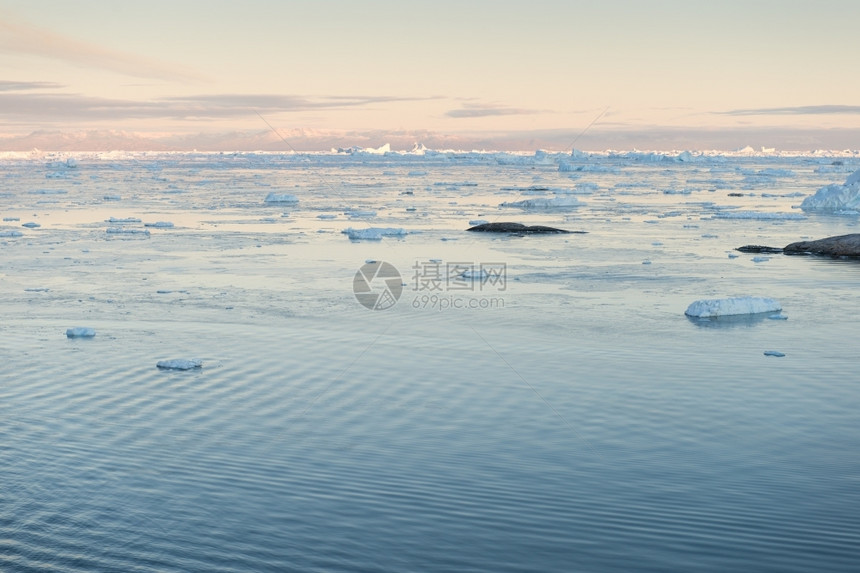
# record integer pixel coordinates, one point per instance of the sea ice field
(233, 362)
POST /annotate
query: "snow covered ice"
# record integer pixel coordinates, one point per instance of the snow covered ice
(710, 308)
(835, 198)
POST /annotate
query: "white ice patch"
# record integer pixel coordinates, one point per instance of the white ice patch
(81, 332)
(562, 202)
(123, 220)
(835, 198)
(373, 233)
(180, 364)
(281, 198)
(160, 225)
(708, 308)
(759, 216)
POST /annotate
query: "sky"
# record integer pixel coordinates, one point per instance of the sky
(621, 74)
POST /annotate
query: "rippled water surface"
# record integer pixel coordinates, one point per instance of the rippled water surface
(566, 418)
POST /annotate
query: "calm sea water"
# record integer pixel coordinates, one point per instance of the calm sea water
(564, 417)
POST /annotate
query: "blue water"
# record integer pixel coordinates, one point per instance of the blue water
(585, 426)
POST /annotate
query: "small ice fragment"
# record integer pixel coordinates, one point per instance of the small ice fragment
(81, 332)
(123, 220)
(472, 274)
(163, 292)
(360, 213)
(760, 259)
(646, 262)
(476, 222)
(373, 233)
(776, 353)
(710, 236)
(10, 219)
(733, 256)
(778, 317)
(124, 231)
(31, 225)
(11, 234)
(327, 216)
(112, 198)
(411, 209)
(180, 364)
(708, 308)
(160, 225)
(656, 244)
(562, 202)
(281, 198)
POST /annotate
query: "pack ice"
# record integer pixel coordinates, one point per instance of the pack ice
(709, 308)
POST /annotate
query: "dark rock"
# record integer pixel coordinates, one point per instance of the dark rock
(758, 249)
(517, 228)
(840, 246)
(736, 194)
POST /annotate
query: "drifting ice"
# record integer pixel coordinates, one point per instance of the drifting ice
(281, 198)
(81, 332)
(373, 233)
(835, 198)
(160, 225)
(709, 308)
(180, 364)
(545, 203)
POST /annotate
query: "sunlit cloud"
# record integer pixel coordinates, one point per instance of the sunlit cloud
(70, 107)
(482, 110)
(10, 86)
(797, 110)
(19, 38)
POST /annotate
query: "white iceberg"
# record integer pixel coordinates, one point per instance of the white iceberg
(81, 332)
(281, 198)
(373, 233)
(835, 198)
(709, 308)
(180, 364)
(562, 202)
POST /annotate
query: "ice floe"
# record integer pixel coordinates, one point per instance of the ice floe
(160, 225)
(126, 231)
(776, 353)
(6, 234)
(123, 220)
(709, 308)
(281, 198)
(373, 233)
(836, 198)
(562, 202)
(81, 332)
(180, 364)
(31, 225)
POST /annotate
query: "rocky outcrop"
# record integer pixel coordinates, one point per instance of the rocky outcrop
(839, 246)
(517, 228)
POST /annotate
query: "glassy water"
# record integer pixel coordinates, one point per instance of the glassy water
(566, 417)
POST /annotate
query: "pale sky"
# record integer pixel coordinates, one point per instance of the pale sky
(516, 73)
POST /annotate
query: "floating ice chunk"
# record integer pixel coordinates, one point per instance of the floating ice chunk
(778, 317)
(160, 225)
(71, 162)
(707, 308)
(474, 274)
(9, 219)
(125, 231)
(281, 198)
(835, 198)
(123, 220)
(180, 364)
(112, 198)
(31, 225)
(359, 213)
(475, 222)
(327, 216)
(546, 203)
(48, 192)
(759, 216)
(646, 262)
(776, 353)
(760, 259)
(11, 234)
(373, 233)
(81, 332)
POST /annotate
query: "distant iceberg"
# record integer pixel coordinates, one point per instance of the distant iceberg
(563, 202)
(709, 308)
(373, 233)
(281, 198)
(835, 198)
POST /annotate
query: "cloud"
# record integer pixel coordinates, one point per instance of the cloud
(19, 38)
(798, 110)
(9, 86)
(27, 107)
(483, 110)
